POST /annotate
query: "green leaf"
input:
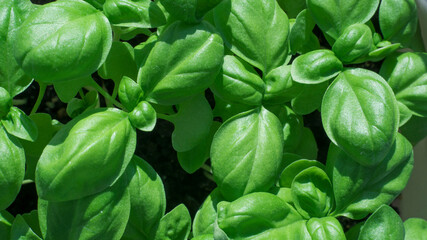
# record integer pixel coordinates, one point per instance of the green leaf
(96, 3)
(147, 199)
(398, 20)
(239, 83)
(100, 216)
(33, 150)
(302, 39)
(52, 51)
(312, 193)
(194, 158)
(69, 166)
(142, 50)
(257, 31)
(130, 93)
(134, 13)
(78, 106)
(307, 146)
(334, 16)
(183, 63)
(226, 110)
(175, 225)
(415, 228)
(384, 49)
(120, 62)
(246, 153)
(6, 220)
(192, 123)
(205, 218)
(5, 102)
(407, 76)
(292, 170)
(360, 115)
(280, 87)
(21, 231)
(383, 224)
(68, 89)
(293, 127)
(354, 43)
(143, 117)
(12, 14)
(325, 228)
(12, 168)
(32, 219)
(18, 124)
(359, 190)
(316, 67)
(260, 216)
(404, 114)
(292, 7)
(190, 11)
(309, 99)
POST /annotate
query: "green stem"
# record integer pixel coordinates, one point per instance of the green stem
(27, 181)
(209, 176)
(81, 93)
(164, 117)
(39, 98)
(106, 95)
(206, 168)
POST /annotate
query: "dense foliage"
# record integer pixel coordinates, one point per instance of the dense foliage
(266, 63)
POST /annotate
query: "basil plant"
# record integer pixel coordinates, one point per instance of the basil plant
(238, 80)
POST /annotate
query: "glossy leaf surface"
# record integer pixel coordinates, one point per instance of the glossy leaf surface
(302, 39)
(239, 82)
(312, 193)
(325, 228)
(280, 87)
(316, 67)
(12, 14)
(260, 216)
(143, 117)
(205, 218)
(398, 20)
(246, 153)
(384, 223)
(12, 168)
(147, 200)
(360, 190)
(355, 42)
(257, 31)
(20, 125)
(134, 13)
(334, 16)
(183, 63)
(100, 216)
(51, 51)
(69, 166)
(360, 115)
(415, 228)
(407, 76)
(175, 225)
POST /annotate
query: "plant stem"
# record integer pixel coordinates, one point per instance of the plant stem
(27, 181)
(209, 176)
(206, 168)
(106, 95)
(81, 93)
(39, 98)
(164, 117)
